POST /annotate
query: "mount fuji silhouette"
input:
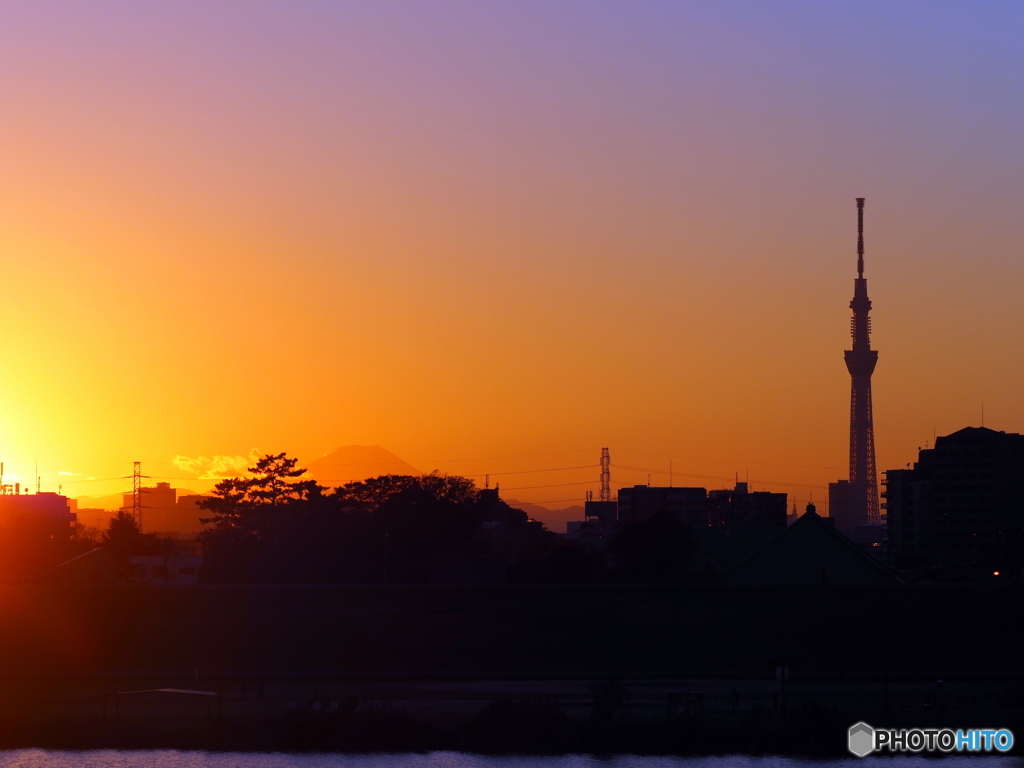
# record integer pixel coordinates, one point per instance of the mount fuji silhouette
(351, 463)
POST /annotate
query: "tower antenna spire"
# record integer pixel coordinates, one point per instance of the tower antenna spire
(860, 237)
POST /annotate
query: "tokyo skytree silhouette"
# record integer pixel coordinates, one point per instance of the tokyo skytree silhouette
(860, 362)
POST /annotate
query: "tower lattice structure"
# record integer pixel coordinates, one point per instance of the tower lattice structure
(137, 493)
(860, 362)
(606, 475)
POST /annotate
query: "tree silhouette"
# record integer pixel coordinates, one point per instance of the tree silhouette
(254, 504)
(123, 537)
(376, 491)
(653, 551)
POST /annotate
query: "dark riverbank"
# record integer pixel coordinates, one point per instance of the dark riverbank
(532, 724)
(599, 669)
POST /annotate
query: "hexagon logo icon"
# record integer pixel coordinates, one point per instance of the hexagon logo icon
(861, 739)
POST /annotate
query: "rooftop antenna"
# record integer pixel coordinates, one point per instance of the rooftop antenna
(487, 481)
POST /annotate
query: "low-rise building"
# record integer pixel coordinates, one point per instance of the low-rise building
(810, 552)
(645, 502)
(736, 508)
(743, 508)
(591, 534)
(163, 511)
(166, 570)
(509, 532)
(49, 510)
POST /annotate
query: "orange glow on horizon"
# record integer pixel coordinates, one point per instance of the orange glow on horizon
(495, 252)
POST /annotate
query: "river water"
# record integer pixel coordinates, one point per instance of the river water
(39, 758)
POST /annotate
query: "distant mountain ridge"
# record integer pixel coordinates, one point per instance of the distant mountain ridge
(553, 519)
(113, 501)
(352, 463)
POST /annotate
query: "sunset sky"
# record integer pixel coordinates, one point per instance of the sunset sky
(495, 237)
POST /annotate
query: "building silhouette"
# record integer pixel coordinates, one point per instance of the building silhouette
(605, 511)
(810, 552)
(45, 511)
(736, 508)
(599, 523)
(36, 533)
(961, 502)
(164, 511)
(743, 508)
(853, 503)
(645, 502)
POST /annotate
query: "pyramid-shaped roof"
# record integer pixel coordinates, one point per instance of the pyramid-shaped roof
(810, 552)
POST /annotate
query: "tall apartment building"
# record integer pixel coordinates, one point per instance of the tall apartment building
(962, 501)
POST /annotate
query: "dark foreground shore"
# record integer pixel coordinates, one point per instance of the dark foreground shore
(682, 670)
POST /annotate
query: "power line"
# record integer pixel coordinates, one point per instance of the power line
(650, 470)
(555, 485)
(92, 480)
(533, 471)
(495, 458)
(479, 474)
(550, 501)
(742, 462)
(448, 461)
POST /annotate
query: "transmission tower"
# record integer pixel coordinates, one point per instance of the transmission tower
(137, 494)
(606, 475)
